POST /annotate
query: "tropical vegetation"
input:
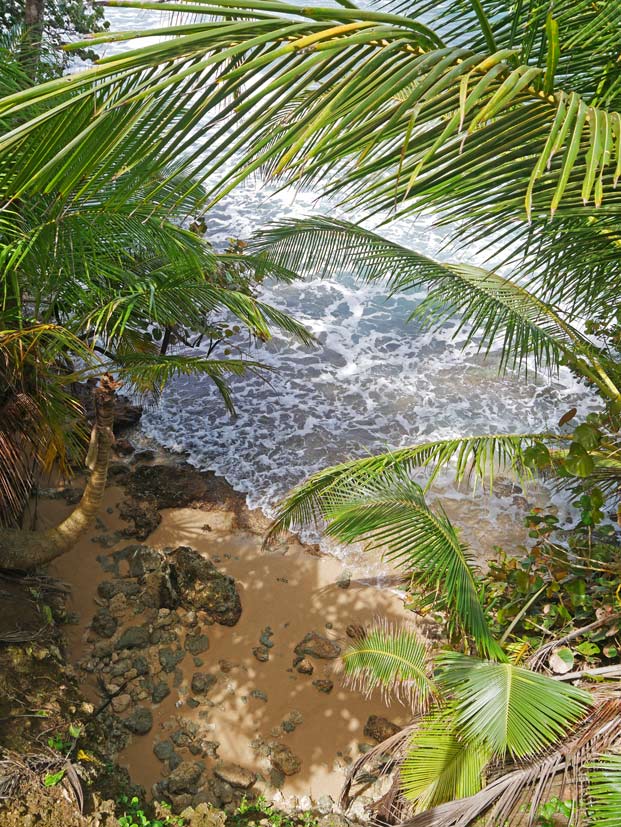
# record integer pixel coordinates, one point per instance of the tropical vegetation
(503, 119)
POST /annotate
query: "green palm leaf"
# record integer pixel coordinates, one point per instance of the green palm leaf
(605, 791)
(393, 659)
(477, 456)
(491, 307)
(391, 514)
(508, 709)
(440, 765)
(149, 372)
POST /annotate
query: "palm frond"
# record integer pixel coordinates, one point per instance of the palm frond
(605, 791)
(390, 513)
(493, 309)
(393, 659)
(440, 765)
(149, 372)
(509, 709)
(475, 456)
(530, 784)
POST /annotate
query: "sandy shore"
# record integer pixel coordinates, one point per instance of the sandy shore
(288, 588)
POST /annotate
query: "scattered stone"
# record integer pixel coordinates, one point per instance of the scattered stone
(235, 775)
(103, 623)
(141, 665)
(261, 653)
(259, 695)
(318, 646)
(344, 580)
(169, 658)
(184, 778)
(140, 721)
(107, 589)
(380, 728)
(160, 691)
(283, 759)
(135, 637)
(266, 634)
(202, 682)
(324, 685)
(121, 703)
(196, 644)
(304, 666)
(164, 750)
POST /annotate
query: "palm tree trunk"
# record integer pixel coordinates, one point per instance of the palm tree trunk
(25, 550)
(34, 12)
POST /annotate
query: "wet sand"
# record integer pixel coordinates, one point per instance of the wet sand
(287, 588)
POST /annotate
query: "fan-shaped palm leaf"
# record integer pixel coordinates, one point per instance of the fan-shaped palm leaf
(393, 659)
(509, 709)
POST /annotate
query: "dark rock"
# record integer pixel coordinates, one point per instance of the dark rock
(202, 682)
(169, 658)
(235, 775)
(203, 587)
(259, 695)
(126, 414)
(283, 759)
(123, 447)
(146, 455)
(169, 486)
(160, 691)
(344, 580)
(110, 588)
(134, 637)
(318, 646)
(140, 721)
(141, 665)
(380, 728)
(143, 559)
(196, 644)
(324, 685)
(143, 516)
(261, 654)
(103, 623)
(181, 738)
(163, 750)
(185, 778)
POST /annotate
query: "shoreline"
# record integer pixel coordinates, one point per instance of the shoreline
(242, 703)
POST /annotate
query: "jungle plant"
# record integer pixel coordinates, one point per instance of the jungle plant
(92, 268)
(488, 739)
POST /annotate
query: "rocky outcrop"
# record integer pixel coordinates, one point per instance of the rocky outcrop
(203, 588)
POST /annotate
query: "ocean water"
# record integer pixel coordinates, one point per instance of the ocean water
(374, 382)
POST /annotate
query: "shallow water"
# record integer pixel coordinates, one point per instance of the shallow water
(375, 383)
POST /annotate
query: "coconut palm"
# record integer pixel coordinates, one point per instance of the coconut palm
(488, 740)
(92, 270)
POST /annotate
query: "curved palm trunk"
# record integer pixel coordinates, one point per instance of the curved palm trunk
(27, 549)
